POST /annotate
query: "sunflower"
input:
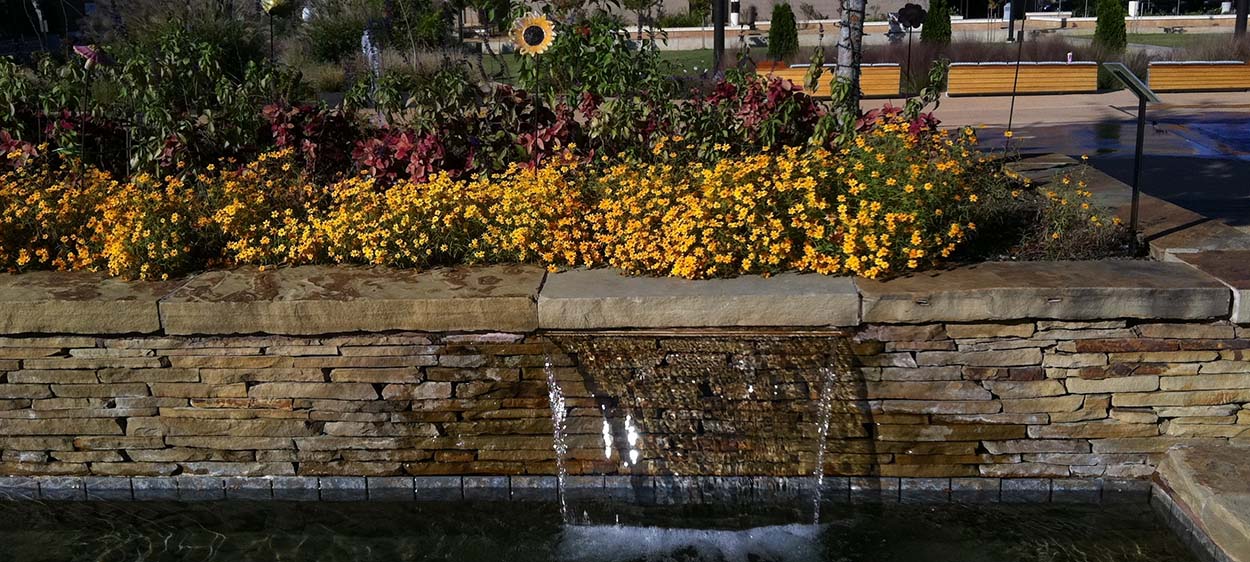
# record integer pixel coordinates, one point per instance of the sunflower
(533, 34)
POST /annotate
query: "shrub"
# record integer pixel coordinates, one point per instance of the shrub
(1054, 219)
(783, 33)
(331, 39)
(937, 24)
(1109, 32)
(167, 100)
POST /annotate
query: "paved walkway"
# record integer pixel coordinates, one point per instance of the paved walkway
(1197, 145)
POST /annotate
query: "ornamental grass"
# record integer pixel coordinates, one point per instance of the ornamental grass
(896, 198)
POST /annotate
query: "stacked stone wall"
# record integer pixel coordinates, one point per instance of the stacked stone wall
(1041, 399)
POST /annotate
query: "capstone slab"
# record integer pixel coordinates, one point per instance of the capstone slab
(603, 298)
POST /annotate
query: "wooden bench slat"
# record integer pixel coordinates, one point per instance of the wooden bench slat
(1196, 77)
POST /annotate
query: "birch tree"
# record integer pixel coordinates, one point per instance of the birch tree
(850, 50)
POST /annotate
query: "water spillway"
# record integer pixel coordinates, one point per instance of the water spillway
(732, 417)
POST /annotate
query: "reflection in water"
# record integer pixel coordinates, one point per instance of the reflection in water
(523, 532)
(610, 543)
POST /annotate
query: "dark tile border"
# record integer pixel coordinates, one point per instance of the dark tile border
(621, 488)
(1186, 530)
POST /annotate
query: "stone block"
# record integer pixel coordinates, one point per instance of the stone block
(439, 488)
(1221, 367)
(942, 407)
(835, 490)
(874, 490)
(336, 391)
(1075, 490)
(61, 426)
(1135, 415)
(535, 488)
(1189, 398)
(1147, 383)
(631, 489)
(62, 488)
(1025, 389)
(949, 432)
(486, 488)
(1074, 360)
(1002, 358)
(409, 375)
(390, 488)
(975, 490)
(1144, 444)
(78, 303)
(1206, 382)
(953, 390)
(422, 391)
(1187, 330)
(335, 299)
(31, 391)
(248, 488)
(18, 488)
(1163, 357)
(925, 490)
(154, 488)
(295, 488)
(1004, 373)
(921, 374)
(43, 377)
(976, 331)
(343, 488)
(108, 488)
(1050, 404)
(1196, 411)
(603, 298)
(1102, 429)
(1091, 290)
(777, 489)
(1232, 268)
(1022, 446)
(1025, 490)
(1212, 485)
(200, 488)
(1115, 490)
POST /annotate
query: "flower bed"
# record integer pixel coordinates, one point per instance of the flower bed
(902, 195)
(115, 167)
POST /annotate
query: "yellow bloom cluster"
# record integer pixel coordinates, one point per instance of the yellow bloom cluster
(888, 202)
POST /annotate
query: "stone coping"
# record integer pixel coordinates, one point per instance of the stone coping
(1209, 486)
(603, 298)
(313, 300)
(629, 489)
(321, 300)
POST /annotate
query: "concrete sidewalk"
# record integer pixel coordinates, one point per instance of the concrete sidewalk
(1197, 149)
(1033, 111)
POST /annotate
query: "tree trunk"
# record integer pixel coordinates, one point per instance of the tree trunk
(850, 48)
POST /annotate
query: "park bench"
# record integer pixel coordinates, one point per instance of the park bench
(997, 78)
(875, 80)
(1198, 76)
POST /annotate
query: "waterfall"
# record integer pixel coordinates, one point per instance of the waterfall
(735, 418)
(824, 413)
(559, 414)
